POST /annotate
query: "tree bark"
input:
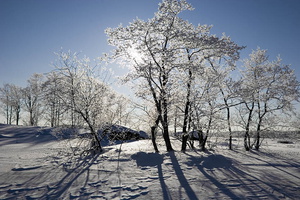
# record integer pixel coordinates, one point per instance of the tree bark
(165, 112)
(185, 135)
(99, 147)
(17, 115)
(229, 127)
(257, 143)
(7, 111)
(166, 128)
(153, 133)
(11, 113)
(202, 140)
(153, 138)
(247, 135)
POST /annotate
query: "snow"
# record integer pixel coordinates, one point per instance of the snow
(35, 165)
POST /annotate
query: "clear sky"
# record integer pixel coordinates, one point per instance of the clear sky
(32, 30)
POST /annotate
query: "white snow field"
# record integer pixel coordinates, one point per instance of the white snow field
(35, 165)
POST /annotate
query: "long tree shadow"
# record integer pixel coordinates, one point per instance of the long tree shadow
(241, 182)
(210, 163)
(181, 177)
(47, 183)
(269, 185)
(73, 174)
(58, 189)
(153, 159)
(286, 163)
(277, 176)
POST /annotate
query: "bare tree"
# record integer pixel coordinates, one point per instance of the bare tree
(267, 87)
(33, 98)
(54, 109)
(150, 47)
(5, 97)
(227, 87)
(200, 49)
(166, 48)
(83, 93)
(12, 99)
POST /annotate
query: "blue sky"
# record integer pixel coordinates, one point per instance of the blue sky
(32, 30)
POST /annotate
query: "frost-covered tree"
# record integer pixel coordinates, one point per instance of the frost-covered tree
(202, 49)
(204, 114)
(227, 89)
(16, 102)
(33, 98)
(164, 52)
(120, 111)
(5, 97)
(267, 87)
(150, 48)
(54, 110)
(83, 93)
(12, 98)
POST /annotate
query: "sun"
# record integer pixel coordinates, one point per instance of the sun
(135, 54)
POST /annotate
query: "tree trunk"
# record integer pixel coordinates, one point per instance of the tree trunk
(153, 138)
(229, 129)
(229, 125)
(202, 140)
(17, 115)
(93, 132)
(246, 141)
(228, 118)
(203, 143)
(185, 135)
(165, 114)
(175, 122)
(247, 135)
(31, 120)
(166, 132)
(7, 111)
(257, 143)
(153, 133)
(11, 113)
(57, 115)
(191, 143)
(99, 147)
(96, 138)
(230, 141)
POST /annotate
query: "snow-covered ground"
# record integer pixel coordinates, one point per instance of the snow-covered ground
(34, 165)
